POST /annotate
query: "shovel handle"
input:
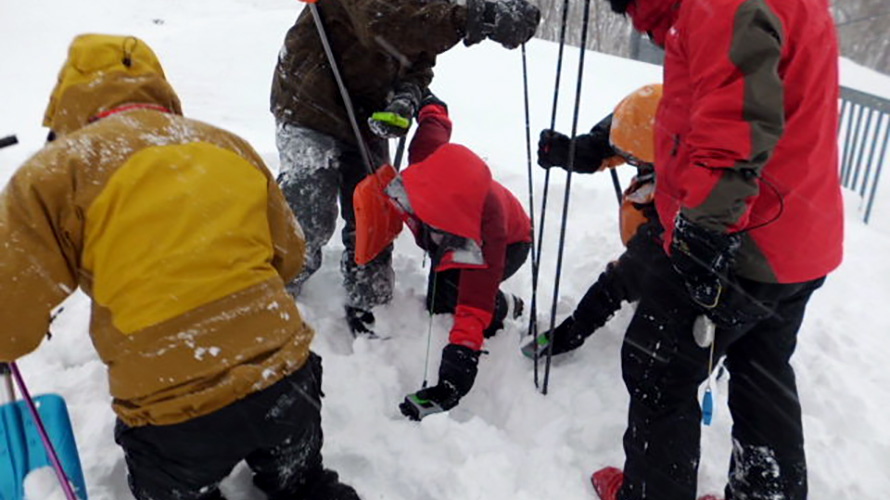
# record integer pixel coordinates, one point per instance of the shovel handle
(7, 377)
(44, 436)
(9, 140)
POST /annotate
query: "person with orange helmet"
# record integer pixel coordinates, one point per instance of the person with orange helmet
(625, 136)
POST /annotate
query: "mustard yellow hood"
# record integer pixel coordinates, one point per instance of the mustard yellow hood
(101, 73)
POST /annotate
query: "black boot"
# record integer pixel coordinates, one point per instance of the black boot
(360, 321)
(457, 372)
(326, 485)
(506, 306)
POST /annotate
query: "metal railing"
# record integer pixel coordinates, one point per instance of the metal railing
(863, 131)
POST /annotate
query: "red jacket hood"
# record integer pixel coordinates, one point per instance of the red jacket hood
(654, 17)
(447, 190)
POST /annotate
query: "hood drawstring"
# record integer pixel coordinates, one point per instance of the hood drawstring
(128, 107)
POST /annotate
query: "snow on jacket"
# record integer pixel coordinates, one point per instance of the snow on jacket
(746, 130)
(175, 229)
(378, 44)
(450, 190)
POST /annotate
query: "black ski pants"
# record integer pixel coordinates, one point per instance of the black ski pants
(663, 367)
(277, 431)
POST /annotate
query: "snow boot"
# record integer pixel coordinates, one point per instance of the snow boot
(326, 485)
(507, 306)
(607, 481)
(361, 322)
(456, 376)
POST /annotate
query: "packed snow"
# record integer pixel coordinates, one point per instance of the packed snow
(505, 440)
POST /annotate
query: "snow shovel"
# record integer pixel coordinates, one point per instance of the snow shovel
(36, 433)
(377, 221)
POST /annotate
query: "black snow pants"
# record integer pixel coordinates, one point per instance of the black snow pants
(622, 280)
(663, 368)
(277, 431)
(443, 288)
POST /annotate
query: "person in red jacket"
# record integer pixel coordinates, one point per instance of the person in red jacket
(477, 235)
(748, 195)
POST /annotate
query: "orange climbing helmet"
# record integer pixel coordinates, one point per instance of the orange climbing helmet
(632, 133)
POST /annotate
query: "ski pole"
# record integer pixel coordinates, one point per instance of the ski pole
(562, 42)
(616, 184)
(400, 151)
(429, 331)
(47, 444)
(565, 204)
(9, 140)
(7, 378)
(344, 93)
(532, 324)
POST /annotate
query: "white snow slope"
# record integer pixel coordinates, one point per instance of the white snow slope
(505, 440)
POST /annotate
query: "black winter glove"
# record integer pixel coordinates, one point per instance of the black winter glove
(508, 22)
(703, 258)
(568, 337)
(457, 372)
(395, 120)
(590, 151)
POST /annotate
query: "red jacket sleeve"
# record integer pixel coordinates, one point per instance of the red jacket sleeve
(478, 288)
(433, 130)
(737, 116)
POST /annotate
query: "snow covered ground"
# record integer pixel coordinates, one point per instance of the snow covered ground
(505, 440)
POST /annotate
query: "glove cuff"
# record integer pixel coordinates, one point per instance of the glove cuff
(703, 258)
(458, 367)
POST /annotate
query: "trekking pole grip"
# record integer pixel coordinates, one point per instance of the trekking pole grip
(44, 436)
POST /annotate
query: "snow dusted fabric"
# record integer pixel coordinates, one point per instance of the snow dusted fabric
(378, 43)
(316, 171)
(103, 72)
(179, 233)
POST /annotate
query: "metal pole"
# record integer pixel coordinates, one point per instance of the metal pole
(533, 309)
(562, 42)
(316, 15)
(565, 203)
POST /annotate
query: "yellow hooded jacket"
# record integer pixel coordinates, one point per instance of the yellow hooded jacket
(176, 230)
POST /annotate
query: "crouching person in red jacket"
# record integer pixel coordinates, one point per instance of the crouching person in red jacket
(477, 235)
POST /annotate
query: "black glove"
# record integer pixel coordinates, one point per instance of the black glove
(553, 151)
(703, 258)
(568, 337)
(395, 120)
(457, 372)
(508, 22)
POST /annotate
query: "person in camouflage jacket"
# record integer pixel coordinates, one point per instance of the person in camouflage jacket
(385, 51)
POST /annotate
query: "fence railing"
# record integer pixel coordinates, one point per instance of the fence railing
(863, 131)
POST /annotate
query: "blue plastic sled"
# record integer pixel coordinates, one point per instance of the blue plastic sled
(21, 449)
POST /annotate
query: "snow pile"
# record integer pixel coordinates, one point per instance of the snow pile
(505, 440)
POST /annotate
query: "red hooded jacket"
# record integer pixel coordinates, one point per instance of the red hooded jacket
(451, 190)
(746, 130)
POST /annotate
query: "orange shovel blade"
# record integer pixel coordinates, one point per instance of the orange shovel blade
(377, 221)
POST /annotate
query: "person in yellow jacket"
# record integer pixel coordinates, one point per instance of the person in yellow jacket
(181, 237)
